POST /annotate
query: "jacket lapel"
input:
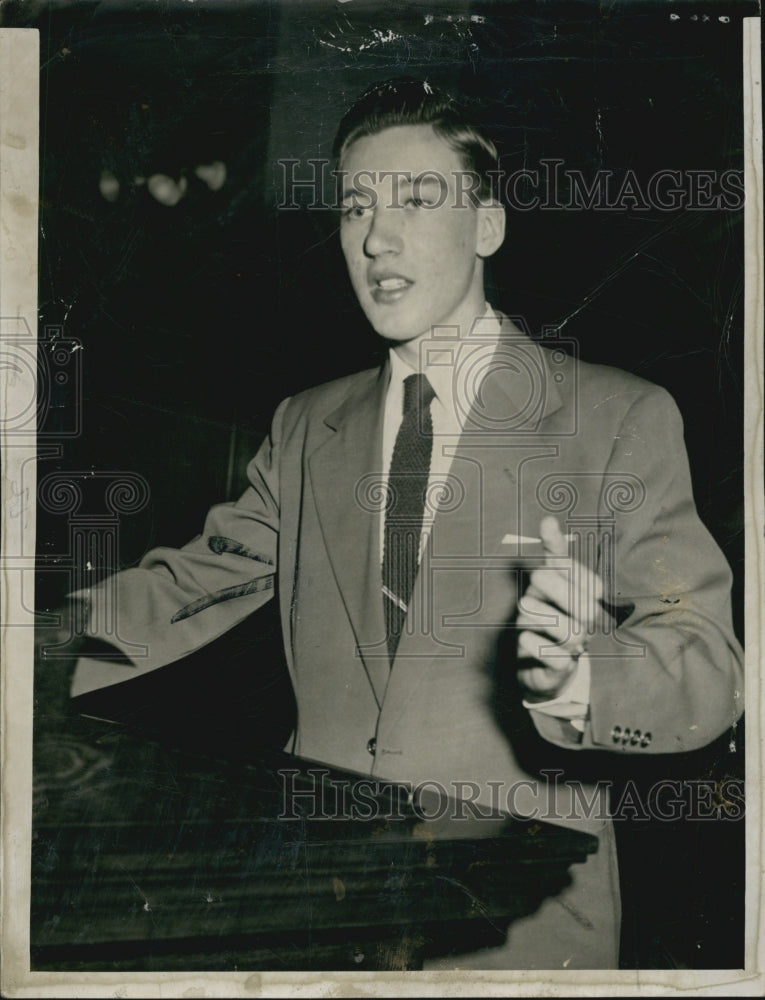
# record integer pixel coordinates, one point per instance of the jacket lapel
(345, 473)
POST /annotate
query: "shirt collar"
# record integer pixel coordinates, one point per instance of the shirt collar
(440, 356)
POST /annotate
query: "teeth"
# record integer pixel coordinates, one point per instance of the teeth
(391, 284)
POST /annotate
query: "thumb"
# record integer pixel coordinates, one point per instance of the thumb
(554, 541)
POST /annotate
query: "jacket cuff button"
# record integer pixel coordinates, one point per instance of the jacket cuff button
(616, 732)
(645, 740)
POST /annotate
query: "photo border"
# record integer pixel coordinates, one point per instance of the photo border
(19, 138)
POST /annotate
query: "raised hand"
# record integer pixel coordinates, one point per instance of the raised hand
(556, 615)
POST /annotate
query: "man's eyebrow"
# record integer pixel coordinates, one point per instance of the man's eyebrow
(430, 177)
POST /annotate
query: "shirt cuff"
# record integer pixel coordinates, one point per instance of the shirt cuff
(573, 704)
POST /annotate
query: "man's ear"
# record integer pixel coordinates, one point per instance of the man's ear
(491, 228)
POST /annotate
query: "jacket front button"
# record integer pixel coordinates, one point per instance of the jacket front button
(372, 746)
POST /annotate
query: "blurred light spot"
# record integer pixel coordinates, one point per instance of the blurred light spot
(138, 181)
(109, 186)
(339, 888)
(213, 174)
(165, 190)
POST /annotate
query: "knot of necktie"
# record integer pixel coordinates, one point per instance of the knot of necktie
(418, 393)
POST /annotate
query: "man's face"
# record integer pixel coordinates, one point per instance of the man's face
(412, 238)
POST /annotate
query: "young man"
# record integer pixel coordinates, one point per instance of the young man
(486, 554)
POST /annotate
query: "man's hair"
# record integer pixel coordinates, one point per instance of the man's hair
(406, 101)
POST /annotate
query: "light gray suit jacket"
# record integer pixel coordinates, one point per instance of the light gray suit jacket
(601, 449)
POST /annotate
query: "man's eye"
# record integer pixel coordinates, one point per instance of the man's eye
(354, 211)
(416, 202)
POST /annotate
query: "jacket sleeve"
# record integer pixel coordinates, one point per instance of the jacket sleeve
(178, 600)
(666, 668)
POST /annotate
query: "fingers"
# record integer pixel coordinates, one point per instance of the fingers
(547, 650)
(573, 589)
(554, 541)
(551, 627)
(556, 614)
(542, 675)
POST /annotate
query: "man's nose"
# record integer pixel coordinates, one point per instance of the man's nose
(384, 233)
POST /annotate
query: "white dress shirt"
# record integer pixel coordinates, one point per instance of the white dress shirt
(448, 412)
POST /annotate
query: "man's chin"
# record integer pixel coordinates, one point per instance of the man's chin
(398, 337)
(396, 331)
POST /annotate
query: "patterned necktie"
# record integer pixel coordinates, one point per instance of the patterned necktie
(407, 486)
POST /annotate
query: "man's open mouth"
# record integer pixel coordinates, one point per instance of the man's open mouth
(392, 284)
(390, 288)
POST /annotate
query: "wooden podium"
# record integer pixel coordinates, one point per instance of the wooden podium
(147, 858)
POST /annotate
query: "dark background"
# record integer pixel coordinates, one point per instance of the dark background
(196, 319)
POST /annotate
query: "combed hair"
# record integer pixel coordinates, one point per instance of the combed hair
(406, 101)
